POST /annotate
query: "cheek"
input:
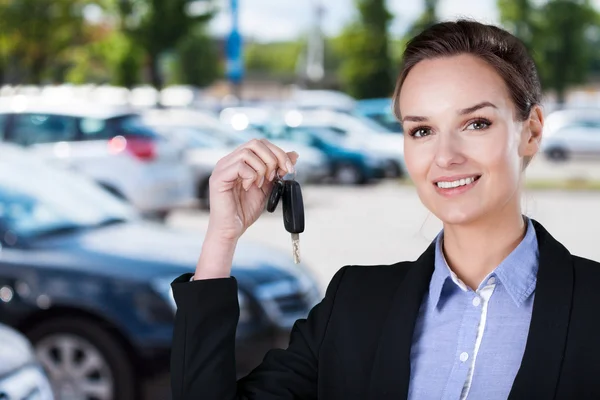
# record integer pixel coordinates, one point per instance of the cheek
(418, 159)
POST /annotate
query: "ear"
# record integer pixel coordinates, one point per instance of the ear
(532, 133)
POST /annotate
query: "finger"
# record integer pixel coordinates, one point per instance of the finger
(233, 173)
(257, 163)
(284, 162)
(269, 153)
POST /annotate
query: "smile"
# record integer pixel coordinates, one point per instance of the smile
(456, 185)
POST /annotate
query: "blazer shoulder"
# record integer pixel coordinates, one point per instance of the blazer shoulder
(590, 268)
(367, 278)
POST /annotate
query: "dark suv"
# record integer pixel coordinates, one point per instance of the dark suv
(88, 282)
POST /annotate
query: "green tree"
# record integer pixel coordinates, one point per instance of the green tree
(276, 58)
(558, 35)
(197, 59)
(366, 67)
(39, 35)
(427, 19)
(158, 26)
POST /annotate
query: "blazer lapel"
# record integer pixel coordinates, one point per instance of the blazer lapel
(540, 368)
(390, 375)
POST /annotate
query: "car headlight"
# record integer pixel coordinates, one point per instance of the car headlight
(27, 383)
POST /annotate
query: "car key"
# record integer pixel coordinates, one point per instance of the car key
(293, 214)
(275, 195)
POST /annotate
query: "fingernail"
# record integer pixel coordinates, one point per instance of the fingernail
(262, 180)
(272, 176)
(290, 167)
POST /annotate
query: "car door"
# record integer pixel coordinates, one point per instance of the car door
(48, 136)
(582, 137)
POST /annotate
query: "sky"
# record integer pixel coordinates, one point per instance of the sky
(268, 20)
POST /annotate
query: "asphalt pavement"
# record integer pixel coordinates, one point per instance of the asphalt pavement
(386, 223)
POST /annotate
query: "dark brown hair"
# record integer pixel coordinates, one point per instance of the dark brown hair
(503, 51)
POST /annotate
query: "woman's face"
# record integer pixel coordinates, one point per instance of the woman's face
(463, 144)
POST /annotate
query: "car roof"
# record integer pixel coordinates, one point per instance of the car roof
(78, 109)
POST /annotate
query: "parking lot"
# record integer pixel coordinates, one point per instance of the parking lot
(385, 223)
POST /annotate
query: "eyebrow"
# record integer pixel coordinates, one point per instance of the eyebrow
(464, 111)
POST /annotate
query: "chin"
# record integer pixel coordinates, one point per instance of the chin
(457, 215)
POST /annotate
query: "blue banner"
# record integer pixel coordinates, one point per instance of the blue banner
(234, 50)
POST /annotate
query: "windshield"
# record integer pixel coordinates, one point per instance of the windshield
(133, 125)
(370, 124)
(35, 199)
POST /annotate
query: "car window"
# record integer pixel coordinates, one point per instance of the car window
(586, 124)
(105, 129)
(30, 203)
(301, 135)
(3, 118)
(29, 129)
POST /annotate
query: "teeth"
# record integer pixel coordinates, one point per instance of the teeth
(457, 183)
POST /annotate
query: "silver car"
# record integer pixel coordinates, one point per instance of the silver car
(21, 376)
(570, 134)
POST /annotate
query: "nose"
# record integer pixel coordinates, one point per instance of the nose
(448, 151)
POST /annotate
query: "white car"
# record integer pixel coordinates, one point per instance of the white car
(191, 128)
(21, 375)
(113, 146)
(359, 132)
(573, 133)
(362, 131)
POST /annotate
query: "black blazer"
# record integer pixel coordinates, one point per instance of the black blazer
(356, 343)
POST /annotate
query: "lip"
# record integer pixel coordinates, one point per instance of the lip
(451, 192)
(454, 178)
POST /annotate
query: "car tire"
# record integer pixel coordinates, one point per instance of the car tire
(109, 368)
(393, 170)
(348, 174)
(204, 195)
(557, 154)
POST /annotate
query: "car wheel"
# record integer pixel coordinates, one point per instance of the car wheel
(557, 154)
(83, 360)
(204, 195)
(348, 174)
(393, 170)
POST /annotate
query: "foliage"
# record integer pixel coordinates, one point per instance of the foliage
(197, 60)
(158, 26)
(558, 35)
(38, 36)
(366, 67)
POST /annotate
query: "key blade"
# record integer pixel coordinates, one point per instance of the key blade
(296, 247)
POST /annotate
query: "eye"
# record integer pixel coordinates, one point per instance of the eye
(479, 124)
(420, 132)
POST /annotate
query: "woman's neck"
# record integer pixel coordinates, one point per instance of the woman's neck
(473, 251)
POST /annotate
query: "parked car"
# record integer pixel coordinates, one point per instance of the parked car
(379, 110)
(89, 282)
(21, 375)
(571, 134)
(207, 140)
(362, 132)
(350, 164)
(113, 146)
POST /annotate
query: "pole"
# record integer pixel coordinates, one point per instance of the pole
(235, 63)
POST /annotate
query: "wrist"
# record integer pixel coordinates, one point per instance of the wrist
(216, 257)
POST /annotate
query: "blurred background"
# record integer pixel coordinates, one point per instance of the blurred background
(113, 114)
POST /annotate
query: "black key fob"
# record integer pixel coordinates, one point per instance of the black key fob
(293, 207)
(275, 195)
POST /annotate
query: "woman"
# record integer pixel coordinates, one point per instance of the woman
(495, 308)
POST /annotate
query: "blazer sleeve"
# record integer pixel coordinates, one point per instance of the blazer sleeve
(203, 352)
